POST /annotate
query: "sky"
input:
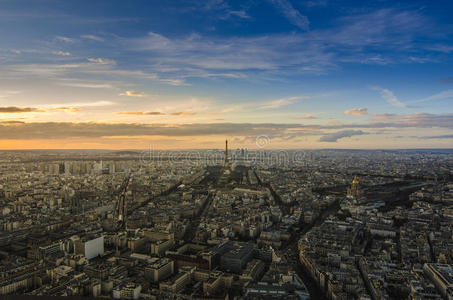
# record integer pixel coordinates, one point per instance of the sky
(187, 74)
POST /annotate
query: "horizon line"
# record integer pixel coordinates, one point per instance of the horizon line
(221, 149)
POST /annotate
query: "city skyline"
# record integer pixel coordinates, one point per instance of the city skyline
(186, 75)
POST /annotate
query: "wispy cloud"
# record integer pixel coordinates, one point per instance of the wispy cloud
(441, 48)
(236, 13)
(68, 109)
(12, 122)
(356, 111)
(279, 102)
(157, 113)
(95, 71)
(386, 36)
(62, 53)
(292, 14)
(315, 3)
(87, 85)
(6, 94)
(421, 60)
(334, 137)
(448, 94)
(92, 37)
(53, 130)
(174, 82)
(215, 57)
(307, 117)
(445, 136)
(183, 113)
(134, 94)
(142, 113)
(390, 97)
(80, 104)
(65, 39)
(15, 109)
(102, 61)
(221, 9)
(416, 120)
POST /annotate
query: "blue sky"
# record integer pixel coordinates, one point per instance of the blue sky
(309, 74)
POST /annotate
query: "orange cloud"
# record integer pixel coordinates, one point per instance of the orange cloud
(357, 112)
(15, 109)
(68, 109)
(134, 94)
(183, 113)
(141, 113)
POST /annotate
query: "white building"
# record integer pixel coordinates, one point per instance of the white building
(90, 247)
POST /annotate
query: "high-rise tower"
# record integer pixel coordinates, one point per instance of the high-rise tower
(226, 152)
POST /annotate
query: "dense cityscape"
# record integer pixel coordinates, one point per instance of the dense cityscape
(226, 149)
(227, 224)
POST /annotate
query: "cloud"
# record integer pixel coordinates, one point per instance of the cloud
(87, 85)
(242, 14)
(102, 61)
(81, 104)
(75, 71)
(393, 34)
(6, 94)
(441, 48)
(183, 113)
(157, 113)
(62, 53)
(315, 3)
(228, 55)
(65, 39)
(446, 136)
(334, 137)
(175, 82)
(279, 102)
(393, 100)
(142, 113)
(15, 109)
(220, 9)
(421, 60)
(211, 5)
(417, 120)
(448, 94)
(292, 14)
(356, 112)
(307, 117)
(12, 122)
(68, 109)
(92, 37)
(389, 97)
(55, 130)
(134, 94)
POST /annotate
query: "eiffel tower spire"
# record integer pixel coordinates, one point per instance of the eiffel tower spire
(226, 152)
